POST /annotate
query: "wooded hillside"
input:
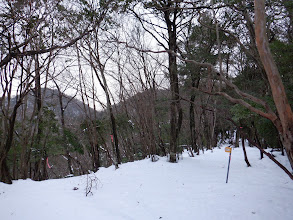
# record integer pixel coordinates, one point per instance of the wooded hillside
(89, 83)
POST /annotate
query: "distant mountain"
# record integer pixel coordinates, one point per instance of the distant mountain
(74, 109)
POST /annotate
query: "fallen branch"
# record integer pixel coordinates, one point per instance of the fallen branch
(272, 158)
(264, 152)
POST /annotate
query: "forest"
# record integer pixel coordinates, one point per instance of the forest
(92, 83)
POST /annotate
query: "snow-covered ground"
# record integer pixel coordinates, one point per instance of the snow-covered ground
(194, 188)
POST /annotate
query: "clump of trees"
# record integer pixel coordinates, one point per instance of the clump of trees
(145, 78)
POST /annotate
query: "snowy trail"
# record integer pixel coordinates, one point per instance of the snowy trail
(194, 188)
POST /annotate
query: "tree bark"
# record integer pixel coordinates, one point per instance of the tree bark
(193, 134)
(175, 106)
(110, 111)
(278, 91)
(5, 176)
(62, 111)
(244, 152)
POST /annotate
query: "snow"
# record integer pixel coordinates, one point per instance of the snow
(193, 188)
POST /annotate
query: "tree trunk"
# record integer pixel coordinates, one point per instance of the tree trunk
(175, 106)
(5, 176)
(116, 150)
(42, 171)
(91, 123)
(105, 87)
(62, 110)
(15, 166)
(192, 125)
(244, 152)
(193, 134)
(237, 138)
(278, 91)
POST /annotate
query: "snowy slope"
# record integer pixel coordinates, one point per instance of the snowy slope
(194, 188)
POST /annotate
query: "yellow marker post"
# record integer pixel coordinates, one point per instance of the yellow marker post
(228, 150)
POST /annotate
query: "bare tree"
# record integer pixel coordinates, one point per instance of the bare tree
(93, 57)
(170, 13)
(63, 105)
(27, 31)
(90, 115)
